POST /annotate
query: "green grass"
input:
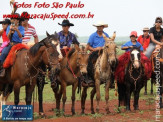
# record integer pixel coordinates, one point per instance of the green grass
(48, 95)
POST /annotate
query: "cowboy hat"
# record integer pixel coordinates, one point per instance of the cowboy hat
(66, 22)
(100, 23)
(145, 29)
(6, 21)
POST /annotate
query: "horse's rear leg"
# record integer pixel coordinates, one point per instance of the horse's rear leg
(73, 97)
(107, 96)
(93, 92)
(97, 85)
(83, 98)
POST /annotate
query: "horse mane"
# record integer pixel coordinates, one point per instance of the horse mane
(91, 62)
(33, 50)
(71, 52)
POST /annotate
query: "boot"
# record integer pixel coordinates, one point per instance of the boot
(2, 71)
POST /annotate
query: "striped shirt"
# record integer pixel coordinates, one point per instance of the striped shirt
(29, 33)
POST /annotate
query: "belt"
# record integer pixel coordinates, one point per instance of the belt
(13, 43)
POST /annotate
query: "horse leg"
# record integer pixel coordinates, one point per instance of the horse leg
(93, 92)
(83, 98)
(16, 92)
(97, 85)
(40, 85)
(128, 96)
(1, 105)
(64, 95)
(73, 97)
(136, 99)
(152, 81)
(145, 92)
(107, 96)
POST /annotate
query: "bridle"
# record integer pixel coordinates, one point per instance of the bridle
(130, 72)
(37, 69)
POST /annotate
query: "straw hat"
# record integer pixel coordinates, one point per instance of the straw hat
(145, 29)
(100, 23)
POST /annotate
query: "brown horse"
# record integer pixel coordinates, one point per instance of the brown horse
(26, 67)
(72, 67)
(102, 74)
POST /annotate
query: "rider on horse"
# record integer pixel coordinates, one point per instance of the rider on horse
(66, 38)
(14, 32)
(29, 29)
(156, 35)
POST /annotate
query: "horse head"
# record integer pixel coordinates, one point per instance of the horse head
(110, 49)
(81, 56)
(135, 57)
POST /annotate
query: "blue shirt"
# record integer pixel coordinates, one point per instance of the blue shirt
(67, 40)
(15, 37)
(96, 41)
(129, 43)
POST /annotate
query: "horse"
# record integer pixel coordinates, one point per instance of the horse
(134, 80)
(101, 74)
(25, 69)
(73, 66)
(153, 76)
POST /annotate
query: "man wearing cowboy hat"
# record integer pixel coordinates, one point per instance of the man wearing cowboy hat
(144, 39)
(66, 38)
(29, 30)
(96, 40)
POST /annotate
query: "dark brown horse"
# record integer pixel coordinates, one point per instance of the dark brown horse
(134, 80)
(102, 74)
(26, 67)
(72, 67)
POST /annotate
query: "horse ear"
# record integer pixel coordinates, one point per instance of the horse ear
(47, 34)
(76, 47)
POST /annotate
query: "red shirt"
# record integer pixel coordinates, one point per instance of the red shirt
(4, 36)
(144, 41)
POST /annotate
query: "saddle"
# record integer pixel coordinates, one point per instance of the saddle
(12, 55)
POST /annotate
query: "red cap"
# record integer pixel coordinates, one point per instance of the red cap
(133, 33)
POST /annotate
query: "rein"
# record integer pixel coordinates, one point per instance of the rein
(135, 79)
(37, 69)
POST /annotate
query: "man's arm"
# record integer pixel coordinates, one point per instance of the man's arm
(1, 32)
(36, 39)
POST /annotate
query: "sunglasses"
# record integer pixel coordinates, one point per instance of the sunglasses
(145, 31)
(158, 22)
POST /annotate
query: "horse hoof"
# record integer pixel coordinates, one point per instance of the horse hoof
(108, 112)
(97, 110)
(92, 112)
(145, 93)
(42, 115)
(151, 93)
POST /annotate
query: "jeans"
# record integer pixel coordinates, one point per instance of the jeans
(150, 49)
(4, 53)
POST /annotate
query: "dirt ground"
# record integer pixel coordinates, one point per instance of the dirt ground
(146, 113)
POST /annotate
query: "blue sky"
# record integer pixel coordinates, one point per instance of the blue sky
(122, 16)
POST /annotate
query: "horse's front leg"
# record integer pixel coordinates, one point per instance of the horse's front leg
(93, 92)
(16, 92)
(40, 85)
(63, 85)
(97, 85)
(128, 96)
(83, 98)
(107, 95)
(136, 99)
(29, 90)
(73, 97)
